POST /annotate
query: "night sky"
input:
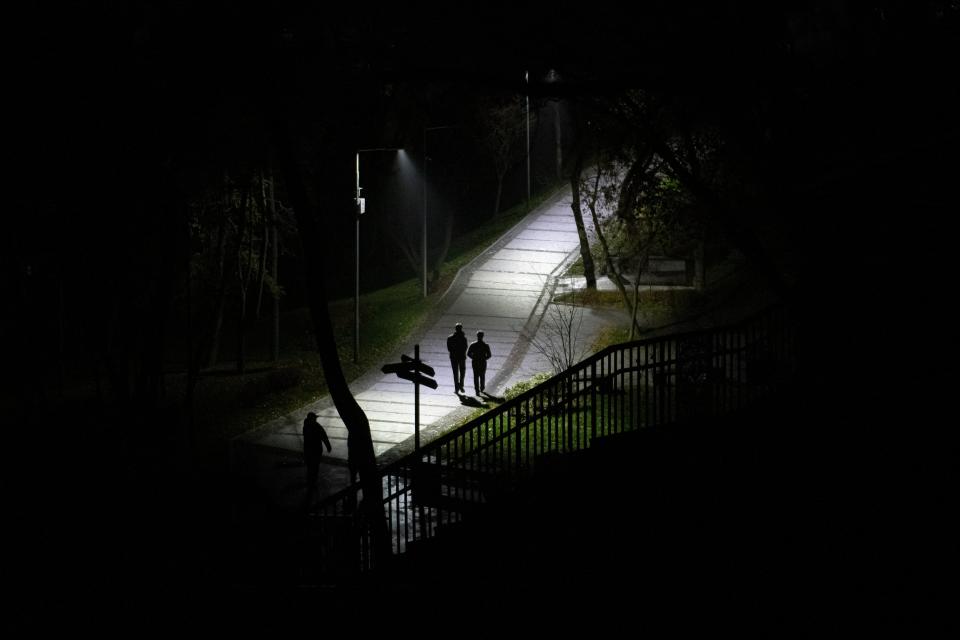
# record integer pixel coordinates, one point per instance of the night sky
(118, 113)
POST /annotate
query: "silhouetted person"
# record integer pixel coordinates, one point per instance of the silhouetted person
(457, 347)
(479, 353)
(314, 439)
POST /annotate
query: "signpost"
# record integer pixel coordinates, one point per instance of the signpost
(419, 373)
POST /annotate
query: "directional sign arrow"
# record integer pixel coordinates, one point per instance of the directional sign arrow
(417, 379)
(397, 367)
(422, 367)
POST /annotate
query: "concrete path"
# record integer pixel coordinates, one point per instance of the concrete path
(503, 292)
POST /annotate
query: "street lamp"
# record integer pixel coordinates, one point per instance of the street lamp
(358, 211)
(424, 247)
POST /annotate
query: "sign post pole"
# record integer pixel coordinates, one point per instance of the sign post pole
(418, 373)
(416, 402)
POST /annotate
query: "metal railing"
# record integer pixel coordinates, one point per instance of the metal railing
(658, 381)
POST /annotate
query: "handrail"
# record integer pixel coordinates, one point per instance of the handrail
(655, 381)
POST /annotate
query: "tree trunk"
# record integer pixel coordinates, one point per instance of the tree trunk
(221, 297)
(496, 202)
(411, 254)
(611, 268)
(634, 325)
(241, 331)
(275, 251)
(361, 450)
(699, 266)
(588, 267)
(244, 235)
(264, 247)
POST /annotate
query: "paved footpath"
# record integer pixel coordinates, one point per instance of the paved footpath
(503, 292)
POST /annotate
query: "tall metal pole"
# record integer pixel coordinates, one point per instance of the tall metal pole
(416, 400)
(526, 77)
(356, 273)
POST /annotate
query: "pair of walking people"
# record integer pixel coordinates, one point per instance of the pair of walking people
(478, 352)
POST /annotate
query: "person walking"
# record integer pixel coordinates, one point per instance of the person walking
(314, 439)
(457, 348)
(479, 353)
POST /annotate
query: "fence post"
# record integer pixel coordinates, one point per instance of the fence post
(593, 402)
(517, 427)
(568, 412)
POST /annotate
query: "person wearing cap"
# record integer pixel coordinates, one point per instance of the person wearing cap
(479, 353)
(457, 348)
(314, 439)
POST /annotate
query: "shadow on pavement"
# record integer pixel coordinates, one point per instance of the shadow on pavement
(471, 401)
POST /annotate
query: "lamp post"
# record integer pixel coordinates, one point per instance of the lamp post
(358, 211)
(424, 239)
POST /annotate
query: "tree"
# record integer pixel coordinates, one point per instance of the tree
(586, 256)
(712, 162)
(558, 337)
(501, 129)
(306, 147)
(635, 204)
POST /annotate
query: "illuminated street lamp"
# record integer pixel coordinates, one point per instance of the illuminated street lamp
(358, 211)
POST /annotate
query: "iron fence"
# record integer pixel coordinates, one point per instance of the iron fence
(652, 382)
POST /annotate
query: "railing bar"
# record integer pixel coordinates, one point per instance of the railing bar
(574, 415)
(461, 464)
(397, 530)
(538, 427)
(446, 472)
(568, 415)
(634, 417)
(409, 517)
(620, 394)
(581, 418)
(614, 405)
(659, 381)
(646, 385)
(473, 466)
(608, 426)
(671, 380)
(738, 340)
(519, 434)
(711, 367)
(529, 441)
(656, 402)
(550, 418)
(721, 357)
(625, 386)
(673, 405)
(499, 441)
